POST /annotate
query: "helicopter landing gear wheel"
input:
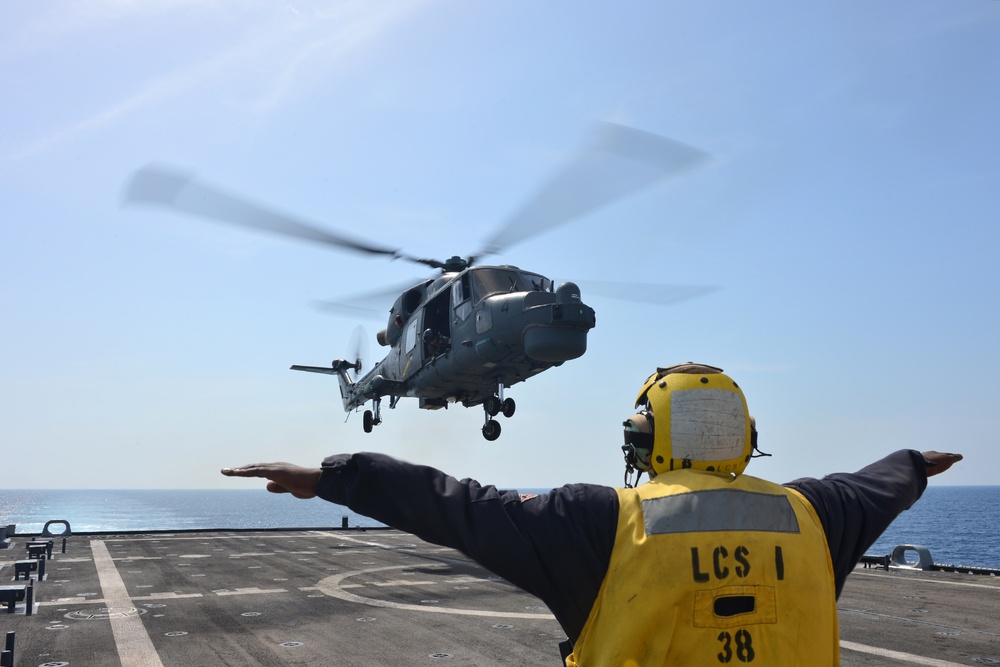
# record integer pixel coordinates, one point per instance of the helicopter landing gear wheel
(491, 430)
(373, 417)
(492, 405)
(507, 407)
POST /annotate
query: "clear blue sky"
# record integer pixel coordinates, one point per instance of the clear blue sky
(849, 217)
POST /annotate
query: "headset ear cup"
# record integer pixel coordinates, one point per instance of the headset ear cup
(754, 449)
(638, 443)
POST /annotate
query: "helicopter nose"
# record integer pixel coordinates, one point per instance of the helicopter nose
(562, 335)
(555, 344)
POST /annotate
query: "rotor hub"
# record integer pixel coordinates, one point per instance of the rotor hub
(454, 264)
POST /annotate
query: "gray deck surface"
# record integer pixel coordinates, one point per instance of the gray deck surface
(381, 597)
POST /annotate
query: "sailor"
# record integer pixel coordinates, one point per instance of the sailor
(701, 565)
(709, 565)
(434, 342)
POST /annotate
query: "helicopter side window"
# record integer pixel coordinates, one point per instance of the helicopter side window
(532, 282)
(410, 338)
(460, 297)
(486, 282)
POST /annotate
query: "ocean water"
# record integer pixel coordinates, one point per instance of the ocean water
(956, 523)
(131, 510)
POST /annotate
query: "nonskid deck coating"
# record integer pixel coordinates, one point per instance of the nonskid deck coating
(382, 597)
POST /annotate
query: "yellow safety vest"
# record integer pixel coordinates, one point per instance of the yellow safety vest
(709, 569)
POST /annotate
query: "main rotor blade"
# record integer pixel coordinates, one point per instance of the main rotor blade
(369, 304)
(617, 162)
(649, 293)
(179, 191)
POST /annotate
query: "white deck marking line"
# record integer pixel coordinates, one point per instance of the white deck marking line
(250, 591)
(402, 582)
(897, 655)
(345, 538)
(167, 596)
(332, 587)
(135, 648)
(59, 602)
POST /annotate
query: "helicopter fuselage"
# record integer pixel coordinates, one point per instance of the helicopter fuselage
(466, 335)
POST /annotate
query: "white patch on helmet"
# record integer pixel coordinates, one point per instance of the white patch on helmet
(707, 425)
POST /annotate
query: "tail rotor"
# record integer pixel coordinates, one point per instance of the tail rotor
(357, 352)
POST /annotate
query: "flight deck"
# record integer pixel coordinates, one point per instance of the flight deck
(382, 597)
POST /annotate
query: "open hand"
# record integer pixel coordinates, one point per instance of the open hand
(282, 477)
(940, 462)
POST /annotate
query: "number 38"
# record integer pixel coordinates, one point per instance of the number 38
(744, 647)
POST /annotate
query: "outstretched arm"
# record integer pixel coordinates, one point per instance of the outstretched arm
(282, 477)
(856, 508)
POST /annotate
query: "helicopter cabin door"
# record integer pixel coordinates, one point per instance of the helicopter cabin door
(436, 336)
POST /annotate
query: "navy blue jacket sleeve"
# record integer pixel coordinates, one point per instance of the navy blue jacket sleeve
(856, 508)
(556, 545)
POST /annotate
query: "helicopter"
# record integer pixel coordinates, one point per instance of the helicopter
(473, 330)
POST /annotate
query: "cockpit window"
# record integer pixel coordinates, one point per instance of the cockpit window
(486, 282)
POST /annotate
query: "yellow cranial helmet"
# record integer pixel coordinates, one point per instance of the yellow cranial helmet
(699, 419)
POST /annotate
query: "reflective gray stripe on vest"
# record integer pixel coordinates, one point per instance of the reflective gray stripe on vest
(718, 510)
